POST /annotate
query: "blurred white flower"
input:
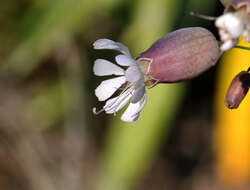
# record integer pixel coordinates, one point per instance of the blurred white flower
(130, 79)
(231, 26)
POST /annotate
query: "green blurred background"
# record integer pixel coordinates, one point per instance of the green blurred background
(49, 137)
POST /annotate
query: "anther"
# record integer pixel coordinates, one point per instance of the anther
(97, 112)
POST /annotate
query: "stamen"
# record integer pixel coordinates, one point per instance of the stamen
(97, 112)
(127, 86)
(206, 17)
(117, 102)
(124, 86)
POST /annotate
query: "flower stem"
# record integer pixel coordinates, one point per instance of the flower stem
(242, 47)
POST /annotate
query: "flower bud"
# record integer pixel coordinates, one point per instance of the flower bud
(180, 55)
(237, 90)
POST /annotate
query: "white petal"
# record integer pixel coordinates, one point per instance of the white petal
(133, 74)
(227, 45)
(124, 101)
(115, 104)
(130, 114)
(139, 93)
(125, 60)
(133, 111)
(110, 44)
(142, 105)
(220, 22)
(233, 25)
(104, 67)
(224, 35)
(108, 87)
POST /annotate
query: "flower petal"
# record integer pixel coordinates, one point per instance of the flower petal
(125, 60)
(124, 101)
(104, 67)
(133, 74)
(108, 87)
(133, 111)
(115, 104)
(139, 93)
(142, 105)
(227, 45)
(130, 114)
(231, 23)
(110, 44)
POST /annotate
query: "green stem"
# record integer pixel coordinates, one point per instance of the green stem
(242, 47)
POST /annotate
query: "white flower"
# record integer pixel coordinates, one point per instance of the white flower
(231, 27)
(131, 80)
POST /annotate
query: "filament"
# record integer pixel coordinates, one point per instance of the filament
(206, 17)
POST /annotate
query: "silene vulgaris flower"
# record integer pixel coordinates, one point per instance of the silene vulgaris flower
(179, 55)
(129, 80)
(234, 23)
